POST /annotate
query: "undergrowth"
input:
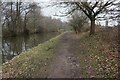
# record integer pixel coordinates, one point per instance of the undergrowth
(99, 55)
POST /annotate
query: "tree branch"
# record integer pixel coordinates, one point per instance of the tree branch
(102, 7)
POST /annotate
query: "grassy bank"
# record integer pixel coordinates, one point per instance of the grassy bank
(32, 63)
(98, 55)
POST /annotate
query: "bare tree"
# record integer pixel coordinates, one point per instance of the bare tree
(78, 21)
(91, 8)
(21, 18)
(34, 18)
(11, 15)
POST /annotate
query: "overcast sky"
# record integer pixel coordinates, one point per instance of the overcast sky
(52, 11)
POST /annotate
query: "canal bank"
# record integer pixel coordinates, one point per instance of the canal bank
(13, 46)
(68, 56)
(31, 62)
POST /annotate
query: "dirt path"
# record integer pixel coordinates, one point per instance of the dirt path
(65, 65)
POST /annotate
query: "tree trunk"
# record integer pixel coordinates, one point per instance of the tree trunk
(92, 28)
(11, 27)
(18, 24)
(25, 30)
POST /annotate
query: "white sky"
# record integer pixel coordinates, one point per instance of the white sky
(52, 11)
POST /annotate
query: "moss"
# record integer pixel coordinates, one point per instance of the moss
(32, 63)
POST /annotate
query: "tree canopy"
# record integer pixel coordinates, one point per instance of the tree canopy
(90, 8)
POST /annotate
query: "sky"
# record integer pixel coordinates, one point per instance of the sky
(52, 11)
(47, 11)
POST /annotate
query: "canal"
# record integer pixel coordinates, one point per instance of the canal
(13, 46)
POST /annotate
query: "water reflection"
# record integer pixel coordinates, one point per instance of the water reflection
(13, 46)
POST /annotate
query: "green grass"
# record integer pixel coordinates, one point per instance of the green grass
(32, 63)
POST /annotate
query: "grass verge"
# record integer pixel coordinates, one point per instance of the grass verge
(32, 63)
(98, 55)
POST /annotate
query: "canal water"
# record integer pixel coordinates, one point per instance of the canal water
(14, 46)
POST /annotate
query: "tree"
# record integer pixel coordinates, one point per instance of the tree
(78, 21)
(34, 18)
(11, 16)
(90, 8)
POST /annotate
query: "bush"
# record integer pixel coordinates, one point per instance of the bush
(78, 21)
